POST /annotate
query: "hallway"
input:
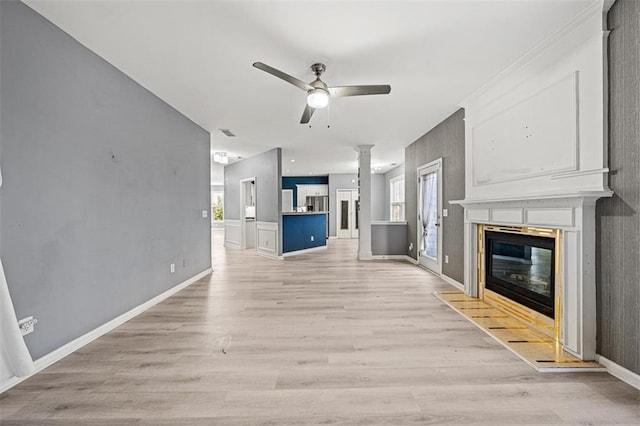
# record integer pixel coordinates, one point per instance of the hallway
(314, 339)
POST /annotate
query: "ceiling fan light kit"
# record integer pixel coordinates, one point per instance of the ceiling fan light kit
(318, 98)
(318, 94)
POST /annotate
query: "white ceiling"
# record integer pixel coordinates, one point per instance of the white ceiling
(198, 55)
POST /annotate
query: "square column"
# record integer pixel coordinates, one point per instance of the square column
(364, 209)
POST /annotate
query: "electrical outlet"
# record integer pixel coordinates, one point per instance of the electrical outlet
(205, 213)
(410, 246)
(27, 325)
(312, 238)
(172, 268)
(446, 258)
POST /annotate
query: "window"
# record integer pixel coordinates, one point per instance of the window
(217, 205)
(396, 198)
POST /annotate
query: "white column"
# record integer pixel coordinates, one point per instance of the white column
(364, 191)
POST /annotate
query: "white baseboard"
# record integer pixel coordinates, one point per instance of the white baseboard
(453, 282)
(309, 250)
(619, 371)
(394, 257)
(229, 244)
(74, 345)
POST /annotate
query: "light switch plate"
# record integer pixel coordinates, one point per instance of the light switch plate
(205, 213)
(445, 212)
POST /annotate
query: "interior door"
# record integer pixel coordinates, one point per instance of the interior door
(347, 213)
(430, 216)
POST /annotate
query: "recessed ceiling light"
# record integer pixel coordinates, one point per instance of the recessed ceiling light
(287, 170)
(310, 173)
(293, 161)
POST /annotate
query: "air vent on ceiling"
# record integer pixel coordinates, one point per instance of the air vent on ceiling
(227, 132)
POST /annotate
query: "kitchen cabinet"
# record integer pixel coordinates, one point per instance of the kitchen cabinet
(305, 191)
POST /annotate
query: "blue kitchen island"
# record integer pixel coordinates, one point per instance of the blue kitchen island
(303, 232)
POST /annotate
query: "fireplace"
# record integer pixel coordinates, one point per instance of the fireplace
(521, 267)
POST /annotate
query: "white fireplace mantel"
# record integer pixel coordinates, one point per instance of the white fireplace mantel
(536, 156)
(574, 215)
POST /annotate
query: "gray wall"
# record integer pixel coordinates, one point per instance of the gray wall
(377, 197)
(446, 140)
(393, 173)
(350, 181)
(618, 218)
(104, 184)
(265, 168)
(388, 239)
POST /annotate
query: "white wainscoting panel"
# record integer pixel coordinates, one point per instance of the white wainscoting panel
(267, 240)
(232, 233)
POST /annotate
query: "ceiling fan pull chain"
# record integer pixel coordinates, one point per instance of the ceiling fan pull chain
(329, 115)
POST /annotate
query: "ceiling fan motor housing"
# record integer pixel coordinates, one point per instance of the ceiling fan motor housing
(318, 69)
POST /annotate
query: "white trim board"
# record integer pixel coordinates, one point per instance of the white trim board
(453, 282)
(74, 345)
(618, 371)
(394, 257)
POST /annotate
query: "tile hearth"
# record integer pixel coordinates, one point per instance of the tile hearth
(532, 346)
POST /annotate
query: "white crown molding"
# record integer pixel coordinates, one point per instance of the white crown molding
(598, 6)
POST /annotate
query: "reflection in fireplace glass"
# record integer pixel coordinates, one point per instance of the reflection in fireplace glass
(523, 266)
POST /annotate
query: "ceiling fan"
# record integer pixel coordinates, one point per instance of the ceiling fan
(318, 93)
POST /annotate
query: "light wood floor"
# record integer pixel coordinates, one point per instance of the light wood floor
(314, 339)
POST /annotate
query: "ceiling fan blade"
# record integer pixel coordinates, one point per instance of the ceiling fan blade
(286, 77)
(342, 91)
(306, 115)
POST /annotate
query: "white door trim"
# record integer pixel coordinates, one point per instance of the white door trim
(433, 166)
(243, 221)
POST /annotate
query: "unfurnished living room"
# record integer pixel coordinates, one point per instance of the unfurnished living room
(266, 212)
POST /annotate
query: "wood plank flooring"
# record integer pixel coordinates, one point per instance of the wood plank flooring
(314, 339)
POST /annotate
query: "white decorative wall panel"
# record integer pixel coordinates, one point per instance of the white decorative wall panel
(550, 217)
(267, 241)
(537, 136)
(480, 215)
(507, 216)
(232, 233)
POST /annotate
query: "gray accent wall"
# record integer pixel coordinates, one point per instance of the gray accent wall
(446, 140)
(618, 218)
(104, 184)
(391, 174)
(265, 168)
(389, 239)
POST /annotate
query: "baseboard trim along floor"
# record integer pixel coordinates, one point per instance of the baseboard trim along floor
(74, 345)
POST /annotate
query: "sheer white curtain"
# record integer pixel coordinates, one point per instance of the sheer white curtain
(15, 359)
(429, 206)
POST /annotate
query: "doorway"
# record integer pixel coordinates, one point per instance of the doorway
(430, 216)
(347, 203)
(248, 224)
